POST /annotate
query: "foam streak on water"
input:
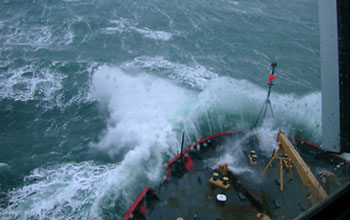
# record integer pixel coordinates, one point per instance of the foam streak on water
(196, 76)
(146, 117)
(30, 83)
(67, 191)
(94, 95)
(125, 25)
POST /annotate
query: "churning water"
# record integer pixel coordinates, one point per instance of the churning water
(95, 94)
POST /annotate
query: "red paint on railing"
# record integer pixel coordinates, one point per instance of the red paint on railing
(308, 143)
(136, 202)
(143, 193)
(195, 144)
(318, 147)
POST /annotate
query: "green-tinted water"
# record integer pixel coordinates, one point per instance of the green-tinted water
(94, 95)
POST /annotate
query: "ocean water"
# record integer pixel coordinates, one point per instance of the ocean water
(95, 94)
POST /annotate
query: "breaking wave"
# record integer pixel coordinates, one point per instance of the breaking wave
(196, 76)
(147, 115)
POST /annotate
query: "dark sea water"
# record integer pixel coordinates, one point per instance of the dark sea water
(95, 94)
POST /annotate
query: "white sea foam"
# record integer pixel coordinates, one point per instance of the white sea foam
(80, 190)
(143, 109)
(125, 25)
(235, 158)
(146, 115)
(153, 34)
(30, 83)
(228, 103)
(68, 37)
(67, 191)
(196, 76)
(38, 36)
(145, 112)
(119, 25)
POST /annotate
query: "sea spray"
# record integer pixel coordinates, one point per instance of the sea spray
(49, 52)
(145, 113)
(227, 104)
(66, 191)
(144, 110)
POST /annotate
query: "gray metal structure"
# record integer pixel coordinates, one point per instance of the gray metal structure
(335, 77)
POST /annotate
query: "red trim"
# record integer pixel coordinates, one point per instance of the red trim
(195, 144)
(136, 202)
(308, 143)
(340, 157)
(145, 190)
(320, 148)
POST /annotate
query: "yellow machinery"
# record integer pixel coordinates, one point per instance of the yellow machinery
(222, 183)
(292, 156)
(252, 157)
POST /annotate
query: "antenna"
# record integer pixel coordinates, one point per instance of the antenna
(182, 144)
(267, 104)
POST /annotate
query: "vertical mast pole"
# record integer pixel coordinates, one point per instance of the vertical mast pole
(182, 144)
(273, 65)
(267, 103)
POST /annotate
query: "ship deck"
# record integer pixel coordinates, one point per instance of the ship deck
(190, 195)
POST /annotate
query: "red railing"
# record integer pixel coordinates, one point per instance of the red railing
(320, 148)
(147, 188)
(136, 202)
(195, 144)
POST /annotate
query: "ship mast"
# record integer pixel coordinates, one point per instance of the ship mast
(182, 145)
(267, 104)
